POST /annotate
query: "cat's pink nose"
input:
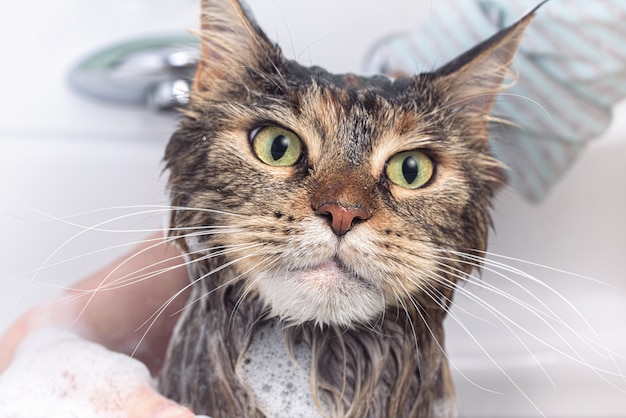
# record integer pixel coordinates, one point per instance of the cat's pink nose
(341, 217)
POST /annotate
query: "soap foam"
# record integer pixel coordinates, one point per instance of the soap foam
(57, 374)
(282, 388)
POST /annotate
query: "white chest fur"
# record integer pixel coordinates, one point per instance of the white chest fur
(281, 387)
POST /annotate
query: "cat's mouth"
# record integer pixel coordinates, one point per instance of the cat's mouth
(330, 292)
(333, 269)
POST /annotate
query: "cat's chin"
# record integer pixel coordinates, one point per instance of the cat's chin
(327, 294)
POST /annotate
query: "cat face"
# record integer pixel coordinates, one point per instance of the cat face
(336, 199)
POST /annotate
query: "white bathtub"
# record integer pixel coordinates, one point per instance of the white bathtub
(61, 154)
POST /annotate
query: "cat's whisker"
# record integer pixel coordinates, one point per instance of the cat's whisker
(400, 300)
(217, 270)
(576, 357)
(496, 364)
(468, 278)
(432, 292)
(151, 321)
(601, 350)
(258, 277)
(163, 307)
(417, 310)
(132, 278)
(420, 285)
(487, 266)
(103, 283)
(211, 211)
(48, 217)
(99, 227)
(543, 316)
(492, 267)
(488, 254)
(146, 210)
(298, 56)
(375, 327)
(442, 279)
(157, 314)
(108, 276)
(82, 256)
(505, 320)
(165, 240)
(541, 107)
(268, 262)
(501, 120)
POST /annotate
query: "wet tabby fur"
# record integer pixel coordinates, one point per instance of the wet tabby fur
(376, 333)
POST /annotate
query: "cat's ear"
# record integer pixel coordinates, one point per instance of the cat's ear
(474, 79)
(231, 44)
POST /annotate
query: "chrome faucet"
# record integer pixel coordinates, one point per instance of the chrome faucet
(153, 71)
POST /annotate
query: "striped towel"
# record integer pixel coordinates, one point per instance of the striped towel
(571, 66)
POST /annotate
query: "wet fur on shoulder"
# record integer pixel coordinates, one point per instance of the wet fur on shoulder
(255, 231)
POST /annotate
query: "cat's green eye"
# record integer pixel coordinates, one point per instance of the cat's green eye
(411, 169)
(276, 146)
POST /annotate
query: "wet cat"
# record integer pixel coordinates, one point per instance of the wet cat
(340, 210)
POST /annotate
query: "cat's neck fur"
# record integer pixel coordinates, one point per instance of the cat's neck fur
(395, 367)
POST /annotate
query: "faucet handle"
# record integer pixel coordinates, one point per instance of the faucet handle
(153, 71)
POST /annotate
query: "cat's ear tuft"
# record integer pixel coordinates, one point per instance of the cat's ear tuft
(232, 44)
(474, 79)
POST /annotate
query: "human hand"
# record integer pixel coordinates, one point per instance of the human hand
(89, 372)
(56, 373)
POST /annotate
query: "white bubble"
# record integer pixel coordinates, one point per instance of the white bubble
(281, 387)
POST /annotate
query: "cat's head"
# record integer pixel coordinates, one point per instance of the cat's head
(335, 198)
